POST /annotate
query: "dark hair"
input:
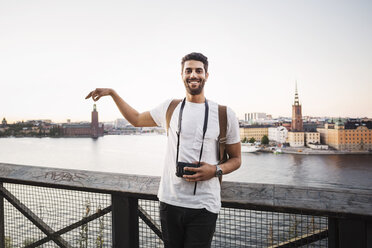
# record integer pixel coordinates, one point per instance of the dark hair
(198, 57)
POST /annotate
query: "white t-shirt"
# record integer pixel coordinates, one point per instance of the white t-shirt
(175, 190)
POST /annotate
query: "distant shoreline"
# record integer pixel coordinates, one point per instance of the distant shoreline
(287, 150)
(309, 151)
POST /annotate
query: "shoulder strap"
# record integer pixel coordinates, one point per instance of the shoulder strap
(222, 118)
(170, 110)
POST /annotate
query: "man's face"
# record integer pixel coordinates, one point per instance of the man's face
(194, 76)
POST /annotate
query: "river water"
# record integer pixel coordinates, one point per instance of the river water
(144, 154)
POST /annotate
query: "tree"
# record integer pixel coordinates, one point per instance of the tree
(245, 140)
(252, 140)
(265, 140)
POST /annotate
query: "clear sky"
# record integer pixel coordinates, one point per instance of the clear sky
(52, 53)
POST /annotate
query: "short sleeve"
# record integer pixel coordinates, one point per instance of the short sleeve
(232, 133)
(158, 114)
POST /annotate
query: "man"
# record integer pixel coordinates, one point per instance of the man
(189, 204)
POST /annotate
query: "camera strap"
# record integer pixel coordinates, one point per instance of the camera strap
(204, 131)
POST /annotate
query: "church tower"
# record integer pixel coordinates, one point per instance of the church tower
(297, 125)
(94, 125)
(4, 122)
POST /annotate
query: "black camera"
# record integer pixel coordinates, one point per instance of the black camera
(181, 171)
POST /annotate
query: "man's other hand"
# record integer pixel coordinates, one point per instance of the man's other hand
(98, 93)
(204, 172)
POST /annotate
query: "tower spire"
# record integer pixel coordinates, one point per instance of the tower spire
(296, 101)
(297, 124)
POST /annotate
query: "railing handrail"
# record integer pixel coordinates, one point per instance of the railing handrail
(274, 196)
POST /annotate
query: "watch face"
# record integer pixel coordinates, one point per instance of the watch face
(218, 171)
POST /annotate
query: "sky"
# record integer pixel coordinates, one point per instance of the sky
(53, 53)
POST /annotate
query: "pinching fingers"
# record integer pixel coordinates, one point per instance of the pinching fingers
(89, 95)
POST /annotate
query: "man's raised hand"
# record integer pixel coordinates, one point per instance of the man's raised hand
(98, 93)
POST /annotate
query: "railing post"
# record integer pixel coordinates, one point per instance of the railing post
(2, 220)
(348, 232)
(125, 229)
(333, 232)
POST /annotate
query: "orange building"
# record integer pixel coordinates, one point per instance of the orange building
(254, 131)
(351, 136)
(296, 139)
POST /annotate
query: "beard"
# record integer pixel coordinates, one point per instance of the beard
(194, 91)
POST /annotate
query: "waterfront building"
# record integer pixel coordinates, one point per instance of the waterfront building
(354, 135)
(93, 129)
(30, 130)
(120, 123)
(312, 138)
(278, 134)
(76, 129)
(131, 130)
(254, 131)
(109, 126)
(296, 139)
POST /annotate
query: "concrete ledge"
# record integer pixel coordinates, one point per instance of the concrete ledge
(355, 202)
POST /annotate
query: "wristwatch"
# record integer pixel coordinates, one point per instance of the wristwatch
(219, 171)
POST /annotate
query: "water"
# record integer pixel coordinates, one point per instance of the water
(144, 155)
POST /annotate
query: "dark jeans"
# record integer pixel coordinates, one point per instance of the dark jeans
(186, 227)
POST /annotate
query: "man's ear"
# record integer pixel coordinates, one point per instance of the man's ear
(206, 76)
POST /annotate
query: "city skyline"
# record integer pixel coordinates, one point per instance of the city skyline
(279, 118)
(53, 54)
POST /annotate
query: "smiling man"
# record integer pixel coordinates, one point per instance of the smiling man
(189, 191)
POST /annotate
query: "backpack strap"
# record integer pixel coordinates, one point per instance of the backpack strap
(170, 110)
(222, 118)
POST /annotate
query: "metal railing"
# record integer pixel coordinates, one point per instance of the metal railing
(48, 207)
